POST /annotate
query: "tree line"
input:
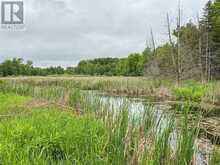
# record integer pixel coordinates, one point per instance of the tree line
(17, 67)
(133, 65)
(192, 51)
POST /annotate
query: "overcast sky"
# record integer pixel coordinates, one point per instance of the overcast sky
(63, 32)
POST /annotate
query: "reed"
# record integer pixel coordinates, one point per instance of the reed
(126, 86)
(100, 134)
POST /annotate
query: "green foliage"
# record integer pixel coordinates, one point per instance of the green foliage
(136, 64)
(190, 92)
(16, 67)
(193, 39)
(74, 97)
(186, 137)
(51, 137)
(131, 66)
(210, 26)
(215, 158)
(1, 82)
(101, 66)
(102, 134)
(8, 101)
(162, 147)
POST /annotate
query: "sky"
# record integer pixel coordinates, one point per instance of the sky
(63, 32)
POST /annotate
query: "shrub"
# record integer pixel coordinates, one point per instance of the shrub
(190, 93)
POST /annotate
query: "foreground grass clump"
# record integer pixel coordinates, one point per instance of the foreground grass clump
(8, 101)
(51, 137)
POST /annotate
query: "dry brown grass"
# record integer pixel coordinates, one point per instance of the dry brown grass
(123, 86)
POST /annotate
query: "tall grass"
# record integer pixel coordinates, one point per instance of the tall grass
(51, 137)
(9, 101)
(146, 140)
(129, 86)
(215, 158)
(102, 134)
(189, 132)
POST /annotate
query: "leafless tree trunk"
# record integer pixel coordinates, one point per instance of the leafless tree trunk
(151, 67)
(179, 58)
(207, 59)
(173, 54)
(209, 64)
(153, 42)
(200, 50)
(154, 69)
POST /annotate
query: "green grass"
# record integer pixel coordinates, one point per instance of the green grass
(215, 158)
(99, 134)
(55, 88)
(51, 137)
(9, 101)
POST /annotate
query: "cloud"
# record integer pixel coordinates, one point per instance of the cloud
(63, 32)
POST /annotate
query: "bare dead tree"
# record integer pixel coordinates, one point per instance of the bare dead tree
(173, 53)
(153, 42)
(179, 58)
(152, 68)
(207, 58)
(200, 55)
(209, 64)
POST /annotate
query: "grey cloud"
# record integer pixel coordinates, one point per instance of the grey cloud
(66, 31)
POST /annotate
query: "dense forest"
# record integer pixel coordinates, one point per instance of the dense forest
(16, 67)
(131, 66)
(192, 51)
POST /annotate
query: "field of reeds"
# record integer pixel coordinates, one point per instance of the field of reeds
(51, 120)
(193, 91)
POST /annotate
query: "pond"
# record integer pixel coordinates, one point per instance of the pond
(163, 112)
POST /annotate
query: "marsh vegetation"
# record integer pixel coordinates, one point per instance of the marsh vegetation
(74, 121)
(168, 115)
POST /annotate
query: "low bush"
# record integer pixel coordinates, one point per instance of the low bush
(190, 93)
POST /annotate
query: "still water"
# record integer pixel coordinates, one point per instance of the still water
(163, 112)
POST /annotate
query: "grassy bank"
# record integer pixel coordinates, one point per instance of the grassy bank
(192, 91)
(62, 125)
(99, 136)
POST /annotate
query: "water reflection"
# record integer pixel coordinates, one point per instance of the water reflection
(137, 107)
